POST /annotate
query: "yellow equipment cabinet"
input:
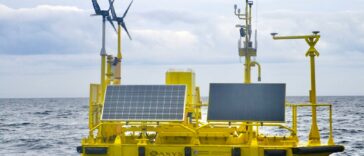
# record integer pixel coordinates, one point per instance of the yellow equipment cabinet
(183, 77)
(187, 77)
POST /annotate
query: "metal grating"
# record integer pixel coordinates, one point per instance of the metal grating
(247, 102)
(144, 103)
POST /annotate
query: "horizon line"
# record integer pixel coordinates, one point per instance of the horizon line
(66, 97)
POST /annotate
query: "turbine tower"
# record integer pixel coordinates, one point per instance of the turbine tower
(105, 16)
(121, 24)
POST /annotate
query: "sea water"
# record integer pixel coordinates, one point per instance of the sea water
(55, 126)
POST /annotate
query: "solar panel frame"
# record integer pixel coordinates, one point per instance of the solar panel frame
(180, 110)
(237, 102)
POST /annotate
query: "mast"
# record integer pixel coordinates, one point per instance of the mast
(248, 51)
(103, 58)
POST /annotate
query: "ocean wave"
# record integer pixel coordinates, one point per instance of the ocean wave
(55, 126)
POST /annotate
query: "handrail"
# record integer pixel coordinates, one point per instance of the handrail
(194, 130)
(294, 117)
(304, 105)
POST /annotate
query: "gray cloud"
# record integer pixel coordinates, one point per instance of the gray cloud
(58, 45)
(341, 34)
(179, 36)
(46, 30)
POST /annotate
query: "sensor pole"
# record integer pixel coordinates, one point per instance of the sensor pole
(247, 78)
(248, 50)
(311, 40)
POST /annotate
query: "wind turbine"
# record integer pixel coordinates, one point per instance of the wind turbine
(120, 20)
(105, 16)
(121, 24)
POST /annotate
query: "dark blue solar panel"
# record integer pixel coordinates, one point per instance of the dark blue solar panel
(247, 102)
(144, 103)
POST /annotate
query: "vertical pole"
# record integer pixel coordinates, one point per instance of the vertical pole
(91, 109)
(247, 77)
(314, 137)
(247, 70)
(119, 42)
(331, 138)
(117, 79)
(294, 119)
(103, 60)
(103, 67)
(313, 80)
(103, 83)
(247, 56)
(250, 21)
(109, 73)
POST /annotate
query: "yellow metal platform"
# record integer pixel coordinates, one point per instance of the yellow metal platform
(193, 136)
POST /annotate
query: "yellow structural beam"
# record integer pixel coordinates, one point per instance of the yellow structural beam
(247, 75)
(311, 40)
(117, 79)
(293, 37)
(109, 72)
(119, 42)
(103, 82)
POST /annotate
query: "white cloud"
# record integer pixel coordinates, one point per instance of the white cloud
(48, 43)
(166, 38)
(45, 30)
(340, 31)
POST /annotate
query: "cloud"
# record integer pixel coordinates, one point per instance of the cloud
(54, 45)
(46, 64)
(45, 29)
(179, 37)
(168, 17)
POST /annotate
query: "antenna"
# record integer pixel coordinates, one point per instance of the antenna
(245, 33)
(105, 16)
(120, 20)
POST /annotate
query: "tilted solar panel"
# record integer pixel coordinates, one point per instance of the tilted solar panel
(144, 103)
(247, 102)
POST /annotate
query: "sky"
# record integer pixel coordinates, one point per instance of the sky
(51, 48)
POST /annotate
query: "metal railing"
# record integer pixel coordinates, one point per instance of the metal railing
(295, 122)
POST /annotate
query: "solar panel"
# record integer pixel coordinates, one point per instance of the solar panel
(247, 102)
(144, 103)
